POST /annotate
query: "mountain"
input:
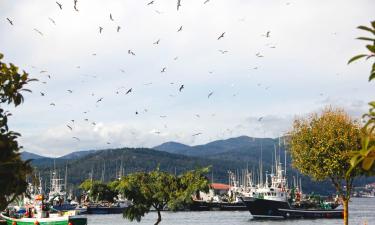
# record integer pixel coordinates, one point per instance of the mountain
(28, 155)
(242, 144)
(77, 155)
(173, 147)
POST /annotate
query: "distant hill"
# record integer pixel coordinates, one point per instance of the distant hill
(173, 147)
(77, 155)
(28, 155)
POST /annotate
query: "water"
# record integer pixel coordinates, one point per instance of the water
(362, 211)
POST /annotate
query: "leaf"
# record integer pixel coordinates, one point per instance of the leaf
(371, 48)
(356, 58)
(367, 163)
(372, 76)
(366, 39)
(366, 29)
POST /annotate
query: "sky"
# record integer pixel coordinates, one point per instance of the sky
(300, 67)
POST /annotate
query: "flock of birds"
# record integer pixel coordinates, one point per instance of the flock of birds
(127, 91)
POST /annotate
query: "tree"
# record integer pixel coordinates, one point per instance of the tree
(13, 171)
(319, 146)
(365, 157)
(159, 190)
(99, 191)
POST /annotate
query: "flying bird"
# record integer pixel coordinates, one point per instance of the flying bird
(221, 36)
(163, 70)
(99, 100)
(260, 118)
(223, 51)
(75, 5)
(59, 4)
(196, 134)
(131, 52)
(53, 104)
(76, 138)
(182, 87)
(42, 94)
(178, 4)
(150, 3)
(209, 95)
(53, 21)
(118, 28)
(69, 127)
(100, 29)
(10, 21)
(268, 34)
(110, 17)
(259, 55)
(38, 31)
(206, 1)
(130, 90)
(70, 91)
(179, 29)
(157, 42)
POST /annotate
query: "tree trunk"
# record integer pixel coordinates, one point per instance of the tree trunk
(346, 210)
(159, 217)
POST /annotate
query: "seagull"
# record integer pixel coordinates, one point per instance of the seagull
(93, 123)
(69, 127)
(268, 34)
(131, 52)
(75, 5)
(197, 115)
(76, 138)
(221, 36)
(223, 51)
(100, 29)
(110, 17)
(72, 121)
(178, 4)
(260, 118)
(209, 95)
(182, 87)
(118, 28)
(108, 143)
(163, 70)
(179, 29)
(175, 58)
(158, 12)
(70, 91)
(38, 31)
(122, 70)
(150, 3)
(10, 21)
(157, 42)
(206, 1)
(196, 134)
(53, 104)
(163, 116)
(136, 112)
(130, 90)
(99, 100)
(42, 94)
(53, 21)
(59, 4)
(259, 55)
(86, 120)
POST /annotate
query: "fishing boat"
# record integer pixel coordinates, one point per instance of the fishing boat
(54, 219)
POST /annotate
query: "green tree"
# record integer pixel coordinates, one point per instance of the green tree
(99, 191)
(319, 146)
(159, 190)
(13, 171)
(365, 157)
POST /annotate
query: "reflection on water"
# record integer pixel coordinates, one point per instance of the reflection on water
(361, 211)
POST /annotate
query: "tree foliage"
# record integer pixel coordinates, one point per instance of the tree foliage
(13, 171)
(320, 147)
(365, 157)
(99, 191)
(159, 190)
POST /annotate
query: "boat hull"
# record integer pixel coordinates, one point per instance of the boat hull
(216, 206)
(105, 210)
(270, 209)
(75, 220)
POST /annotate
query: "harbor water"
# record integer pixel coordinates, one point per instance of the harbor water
(362, 211)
